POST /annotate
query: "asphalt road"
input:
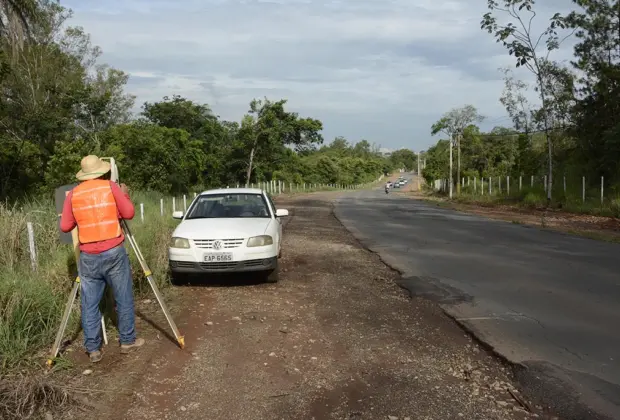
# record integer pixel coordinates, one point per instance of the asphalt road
(547, 301)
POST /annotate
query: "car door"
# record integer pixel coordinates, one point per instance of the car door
(278, 220)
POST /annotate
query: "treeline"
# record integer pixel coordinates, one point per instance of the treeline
(58, 104)
(574, 129)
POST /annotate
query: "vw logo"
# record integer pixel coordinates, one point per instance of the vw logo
(217, 244)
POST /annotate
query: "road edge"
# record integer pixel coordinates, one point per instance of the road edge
(552, 392)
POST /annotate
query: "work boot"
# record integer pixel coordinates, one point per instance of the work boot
(95, 356)
(126, 348)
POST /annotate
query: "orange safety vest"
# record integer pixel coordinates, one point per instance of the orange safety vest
(95, 211)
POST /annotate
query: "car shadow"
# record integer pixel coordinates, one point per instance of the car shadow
(221, 280)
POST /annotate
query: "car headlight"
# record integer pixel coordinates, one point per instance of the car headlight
(179, 243)
(262, 240)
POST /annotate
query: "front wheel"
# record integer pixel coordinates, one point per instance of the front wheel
(273, 276)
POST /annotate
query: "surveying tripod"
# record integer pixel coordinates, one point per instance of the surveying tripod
(145, 268)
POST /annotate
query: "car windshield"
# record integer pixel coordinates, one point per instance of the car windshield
(228, 206)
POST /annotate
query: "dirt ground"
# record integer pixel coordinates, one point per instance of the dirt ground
(334, 339)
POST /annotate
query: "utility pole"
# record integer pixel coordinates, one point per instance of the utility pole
(418, 171)
(458, 166)
(451, 141)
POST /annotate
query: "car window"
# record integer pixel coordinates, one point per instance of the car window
(234, 205)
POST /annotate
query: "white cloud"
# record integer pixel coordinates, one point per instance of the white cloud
(384, 70)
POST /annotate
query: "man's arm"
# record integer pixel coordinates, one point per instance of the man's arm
(67, 221)
(125, 207)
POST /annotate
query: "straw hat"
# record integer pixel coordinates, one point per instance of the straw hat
(92, 167)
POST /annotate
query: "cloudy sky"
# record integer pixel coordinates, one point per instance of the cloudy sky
(383, 70)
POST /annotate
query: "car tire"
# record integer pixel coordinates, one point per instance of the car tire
(273, 276)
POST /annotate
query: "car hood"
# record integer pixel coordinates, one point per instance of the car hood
(220, 228)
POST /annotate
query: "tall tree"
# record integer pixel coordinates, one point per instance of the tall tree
(521, 113)
(17, 18)
(452, 124)
(523, 44)
(597, 57)
(268, 127)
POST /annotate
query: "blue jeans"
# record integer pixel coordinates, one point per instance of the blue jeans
(111, 267)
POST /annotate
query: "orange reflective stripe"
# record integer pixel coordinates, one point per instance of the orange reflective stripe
(95, 211)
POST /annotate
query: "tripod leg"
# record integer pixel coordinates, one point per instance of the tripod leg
(149, 276)
(63, 323)
(164, 308)
(103, 331)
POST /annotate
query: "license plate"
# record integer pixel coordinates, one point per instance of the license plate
(219, 257)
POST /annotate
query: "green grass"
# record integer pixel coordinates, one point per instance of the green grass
(536, 198)
(32, 303)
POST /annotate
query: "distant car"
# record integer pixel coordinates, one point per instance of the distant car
(397, 184)
(228, 230)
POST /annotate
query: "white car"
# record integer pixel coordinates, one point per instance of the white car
(228, 230)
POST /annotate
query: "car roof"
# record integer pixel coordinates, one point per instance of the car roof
(233, 191)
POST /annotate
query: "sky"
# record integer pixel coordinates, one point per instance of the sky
(381, 70)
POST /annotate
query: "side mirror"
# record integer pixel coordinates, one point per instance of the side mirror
(281, 212)
(177, 214)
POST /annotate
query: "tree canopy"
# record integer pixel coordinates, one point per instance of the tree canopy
(574, 129)
(58, 104)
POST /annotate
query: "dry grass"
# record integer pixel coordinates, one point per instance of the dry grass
(24, 397)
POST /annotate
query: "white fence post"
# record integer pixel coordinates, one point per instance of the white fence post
(490, 185)
(482, 186)
(520, 182)
(142, 211)
(161, 206)
(475, 188)
(583, 189)
(532, 181)
(174, 204)
(508, 185)
(564, 184)
(499, 184)
(185, 202)
(602, 188)
(33, 250)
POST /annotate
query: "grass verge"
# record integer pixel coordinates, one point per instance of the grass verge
(32, 302)
(530, 208)
(536, 199)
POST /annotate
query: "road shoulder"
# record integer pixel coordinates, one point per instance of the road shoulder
(336, 338)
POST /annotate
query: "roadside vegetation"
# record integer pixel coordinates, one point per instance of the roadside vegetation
(59, 103)
(567, 140)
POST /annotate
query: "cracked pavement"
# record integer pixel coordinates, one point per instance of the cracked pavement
(544, 300)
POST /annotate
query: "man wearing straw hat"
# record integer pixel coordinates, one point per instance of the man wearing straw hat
(95, 207)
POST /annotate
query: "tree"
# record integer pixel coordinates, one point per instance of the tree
(268, 127)
(596, 115)
(523, 45)
(452, 124)
(17, 18)
(521, 112)
(403, 158)
(40, 95)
